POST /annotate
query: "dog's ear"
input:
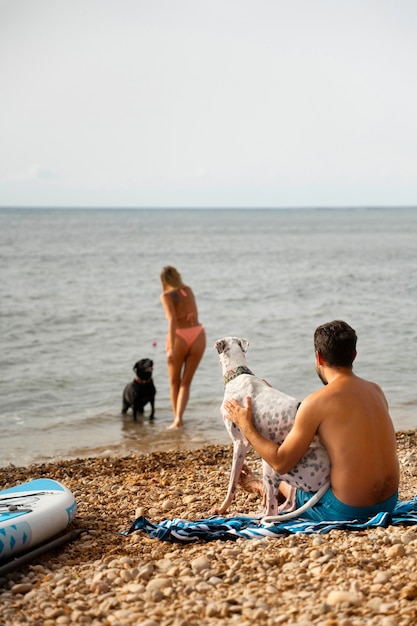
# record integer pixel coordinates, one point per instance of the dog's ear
(244, 344)
(220, 345)
(135, 367)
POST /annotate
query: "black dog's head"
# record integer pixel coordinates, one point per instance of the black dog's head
(143, 369)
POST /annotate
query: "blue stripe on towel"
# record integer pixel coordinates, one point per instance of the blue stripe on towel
(232, 528)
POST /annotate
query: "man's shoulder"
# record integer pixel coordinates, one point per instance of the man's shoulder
(363, 383)
(316, 395)
(313, 403)
(319, 399)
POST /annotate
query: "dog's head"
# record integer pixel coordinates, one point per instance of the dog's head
(143, 369)
(231, 352)
(227, 344)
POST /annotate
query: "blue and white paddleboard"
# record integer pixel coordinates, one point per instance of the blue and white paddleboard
(31, 513)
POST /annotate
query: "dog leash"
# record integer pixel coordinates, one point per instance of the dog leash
(273, 519)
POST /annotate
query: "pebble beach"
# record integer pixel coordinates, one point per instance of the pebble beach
(105, 578)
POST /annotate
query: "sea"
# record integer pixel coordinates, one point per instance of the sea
(80, 304)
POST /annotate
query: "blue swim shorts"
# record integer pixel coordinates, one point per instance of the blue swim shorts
(329, 508)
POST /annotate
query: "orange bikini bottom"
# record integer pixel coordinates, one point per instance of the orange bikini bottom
(190, 334)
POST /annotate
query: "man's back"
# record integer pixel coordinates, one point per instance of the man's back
(357, 431)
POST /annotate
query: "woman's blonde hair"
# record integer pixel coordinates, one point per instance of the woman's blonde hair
(171, 277)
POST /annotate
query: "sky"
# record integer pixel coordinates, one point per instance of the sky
(208, 103)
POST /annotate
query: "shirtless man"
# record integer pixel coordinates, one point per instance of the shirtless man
(351, 417)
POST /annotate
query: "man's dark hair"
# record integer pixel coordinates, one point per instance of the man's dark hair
(336, 342)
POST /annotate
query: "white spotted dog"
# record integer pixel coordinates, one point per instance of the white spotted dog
(273, 416)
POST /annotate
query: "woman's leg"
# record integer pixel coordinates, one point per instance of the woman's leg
(174, 373)
(191, 362)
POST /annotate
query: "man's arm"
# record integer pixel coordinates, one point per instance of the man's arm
(281, 458)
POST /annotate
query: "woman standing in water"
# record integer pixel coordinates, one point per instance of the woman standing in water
(186, 340)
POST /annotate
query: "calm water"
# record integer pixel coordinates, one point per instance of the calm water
(79, 304)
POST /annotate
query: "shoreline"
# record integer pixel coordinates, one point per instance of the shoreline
(132, 446)
(343, 578)
(124, 437)
(122, 449)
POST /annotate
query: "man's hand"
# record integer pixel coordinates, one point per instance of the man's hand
(240, 415)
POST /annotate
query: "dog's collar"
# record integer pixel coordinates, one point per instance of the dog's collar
(231, 374)
(142, 382)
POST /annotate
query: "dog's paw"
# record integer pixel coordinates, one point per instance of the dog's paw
(216, 510)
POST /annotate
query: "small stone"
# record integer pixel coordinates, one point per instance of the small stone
(214, 581)
(153, 512)
(388, 621)
(339, 596)
(381, 578)
(203, 587)
(158, 584)
(164, 565)
(409, 592)
(212, 610)
(53, 613)
(397, 550)
(315, 554)
(408, 537)
(134, 588)
(99, 586)
(375, 603)
(145, 573)
(59, 592)
(22, 588)
(125, 575)
(199, 564)
(231, 552)
(189, 499)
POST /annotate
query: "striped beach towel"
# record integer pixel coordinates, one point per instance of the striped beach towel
(232, 528)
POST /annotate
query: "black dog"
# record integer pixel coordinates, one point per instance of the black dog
(141, 391)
